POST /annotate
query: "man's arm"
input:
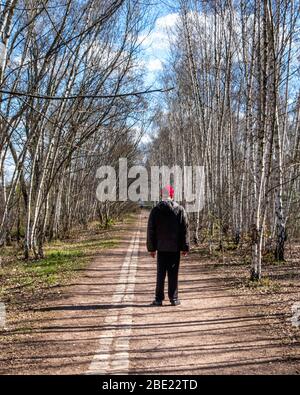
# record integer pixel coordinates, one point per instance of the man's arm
(185, 234)
(151, 232)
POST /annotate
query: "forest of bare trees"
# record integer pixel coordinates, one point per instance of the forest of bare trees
(67, 73)
(236, 111)
(72, 98)
(109, 111)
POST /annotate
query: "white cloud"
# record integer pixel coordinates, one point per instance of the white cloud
(154, 65)
(156, 45)
(167, 21)
(158, 38)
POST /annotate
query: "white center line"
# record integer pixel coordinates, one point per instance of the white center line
(112, 355)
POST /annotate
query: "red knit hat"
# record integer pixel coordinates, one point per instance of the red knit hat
(169, 189)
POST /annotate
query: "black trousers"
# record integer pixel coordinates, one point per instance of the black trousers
(167, 262)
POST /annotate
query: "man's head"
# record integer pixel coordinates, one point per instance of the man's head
(167, 192)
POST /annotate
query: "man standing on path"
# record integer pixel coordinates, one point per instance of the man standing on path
(168, 234)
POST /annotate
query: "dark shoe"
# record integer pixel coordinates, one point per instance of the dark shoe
(156, 303)
(175, 302)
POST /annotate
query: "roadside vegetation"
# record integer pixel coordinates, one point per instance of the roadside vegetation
(25, 281)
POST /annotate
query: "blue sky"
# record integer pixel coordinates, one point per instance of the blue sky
(155, 50)
(156, 43)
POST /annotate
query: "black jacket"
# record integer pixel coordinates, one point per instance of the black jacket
(168, 228)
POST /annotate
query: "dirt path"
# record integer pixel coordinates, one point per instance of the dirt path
(104, 324)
